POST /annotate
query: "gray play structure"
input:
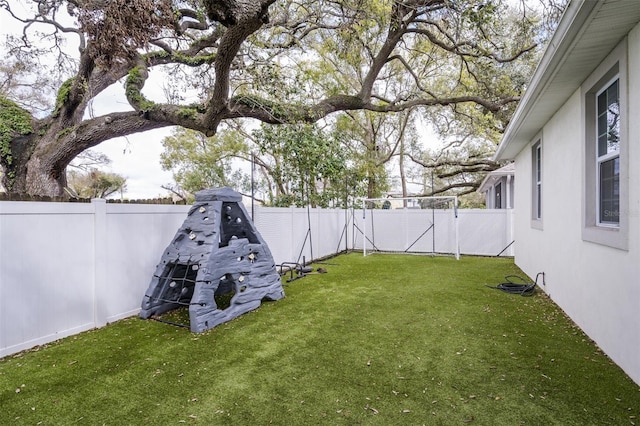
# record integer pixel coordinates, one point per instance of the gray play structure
(216, 252)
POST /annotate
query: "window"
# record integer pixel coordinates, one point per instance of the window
(537, 181)
(608, 154)
(497, 201)
(606, 143)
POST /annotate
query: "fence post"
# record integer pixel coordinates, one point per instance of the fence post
(510, 231)
(292, 236)
(99, 260)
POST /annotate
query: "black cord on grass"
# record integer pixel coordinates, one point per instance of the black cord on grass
(520, 287)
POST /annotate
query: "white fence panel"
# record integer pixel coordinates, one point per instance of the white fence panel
(135, 240)
(46, 272)
(274, 224)
(480, 232)
(69, 267)
(293, 233)
(300, 239)
(486, 232)
(328, 233)
(386, 230)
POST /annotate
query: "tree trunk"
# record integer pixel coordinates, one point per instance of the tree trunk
(45, 172)
(42, 179)
(31, 166)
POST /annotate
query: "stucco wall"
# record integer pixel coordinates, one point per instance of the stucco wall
(597, 286)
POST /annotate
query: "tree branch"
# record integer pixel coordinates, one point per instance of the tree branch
(456, 48)
(486, 162)
(473, 186)
(92, 132)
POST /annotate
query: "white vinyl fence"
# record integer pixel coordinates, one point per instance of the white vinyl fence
(70, 267)
(479, 231)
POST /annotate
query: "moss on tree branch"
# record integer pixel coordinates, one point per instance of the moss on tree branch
(14, 121)
(63, 96)
(133, 89)
(179, 57)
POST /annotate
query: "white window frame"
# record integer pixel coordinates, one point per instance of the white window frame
(536, 183)
(593, 228)
(537, 180)
(600, 159)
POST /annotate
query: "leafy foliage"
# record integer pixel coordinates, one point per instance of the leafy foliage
(306, 164)
(14, 122)
(296, 164)
(199, 162)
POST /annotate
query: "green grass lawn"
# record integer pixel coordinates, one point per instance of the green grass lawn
(388, 340)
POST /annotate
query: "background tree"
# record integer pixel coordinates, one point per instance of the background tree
(468, 137)
(199, 162)
(373, 141)
(296, 164)
(95, 183)
(469, 133)
(305, 165)
(85, 179)
(242, 57)
(90, 160)
(455, 169)
(28, 89)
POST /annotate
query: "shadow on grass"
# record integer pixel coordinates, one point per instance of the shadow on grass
(376, 340)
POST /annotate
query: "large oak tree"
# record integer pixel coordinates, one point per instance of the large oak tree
(269, 60)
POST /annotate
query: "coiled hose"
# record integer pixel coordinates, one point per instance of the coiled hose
(520, 287)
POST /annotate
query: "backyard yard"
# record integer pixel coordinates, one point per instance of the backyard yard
(383, 339)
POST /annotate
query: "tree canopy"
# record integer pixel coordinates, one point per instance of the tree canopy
(95, 183)
(285, 61)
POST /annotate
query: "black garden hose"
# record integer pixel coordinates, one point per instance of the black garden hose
(520, 287)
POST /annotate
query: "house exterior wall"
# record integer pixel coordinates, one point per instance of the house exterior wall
(596, 285)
